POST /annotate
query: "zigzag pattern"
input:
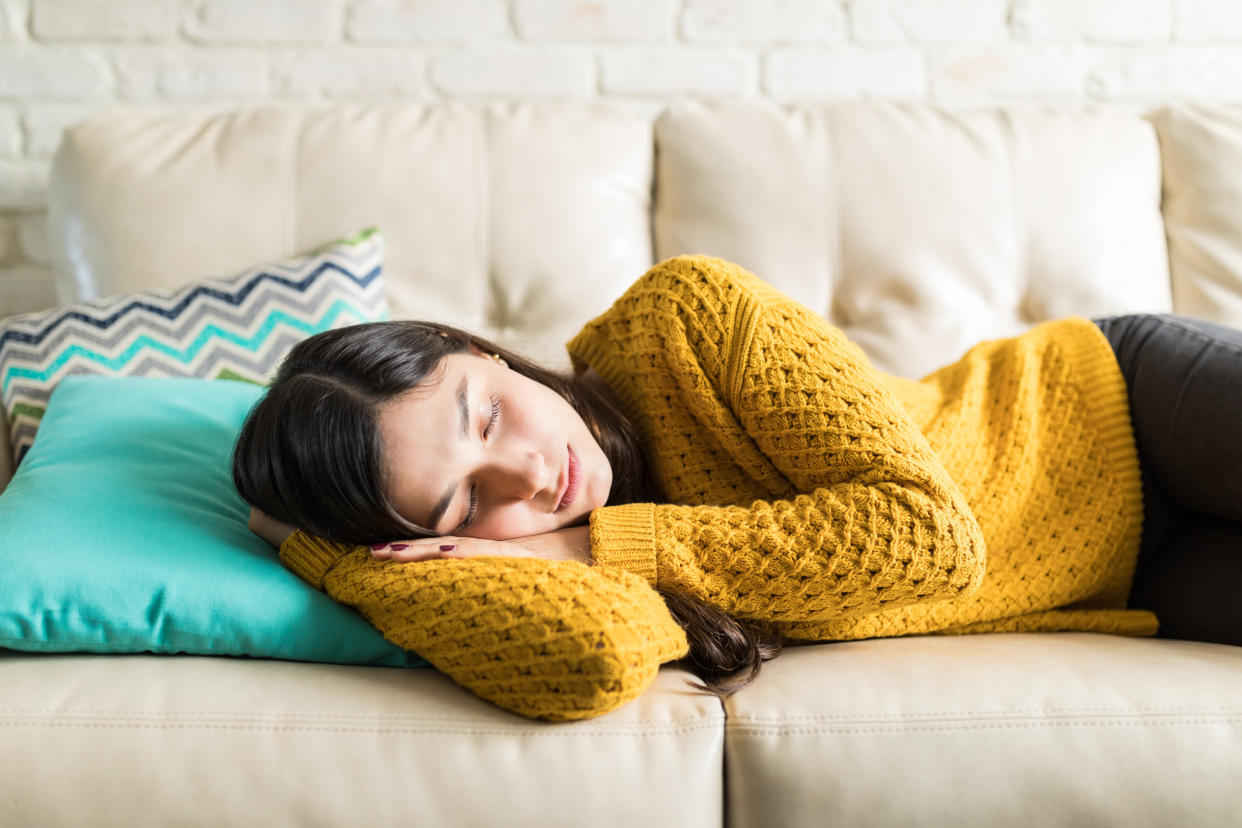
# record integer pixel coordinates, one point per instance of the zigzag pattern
(237, 328)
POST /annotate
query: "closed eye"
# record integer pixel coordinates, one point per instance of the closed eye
(495, 418)
(471, 513)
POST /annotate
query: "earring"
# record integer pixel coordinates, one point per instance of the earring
(500, 359)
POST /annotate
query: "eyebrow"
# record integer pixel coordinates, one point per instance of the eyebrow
(463, 410)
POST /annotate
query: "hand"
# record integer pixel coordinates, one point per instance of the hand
(572, 544)
(268, 528)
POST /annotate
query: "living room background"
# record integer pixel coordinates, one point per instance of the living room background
(62, 60)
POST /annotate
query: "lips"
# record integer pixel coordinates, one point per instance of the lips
(573, 481)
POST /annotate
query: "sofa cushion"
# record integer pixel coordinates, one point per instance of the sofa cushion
(1201, 146)
(517, 221)
(123, 532)
(989, 730)
(144, 740)
(918, 230)
(239, 327)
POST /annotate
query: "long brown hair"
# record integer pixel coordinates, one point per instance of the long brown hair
(309, 454)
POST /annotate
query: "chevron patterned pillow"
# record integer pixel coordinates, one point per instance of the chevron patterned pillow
(237, 328)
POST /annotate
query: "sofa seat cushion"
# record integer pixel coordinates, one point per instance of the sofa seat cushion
(1038, 729)
(162, 740)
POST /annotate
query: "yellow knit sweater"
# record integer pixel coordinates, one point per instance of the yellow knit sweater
(806, 491)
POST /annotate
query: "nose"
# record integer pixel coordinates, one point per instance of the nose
(519, 475)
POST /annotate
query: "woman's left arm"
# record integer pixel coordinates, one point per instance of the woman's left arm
(864, 515)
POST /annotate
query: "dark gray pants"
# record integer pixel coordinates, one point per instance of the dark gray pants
(1184, 377)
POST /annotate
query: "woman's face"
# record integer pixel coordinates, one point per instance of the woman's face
(485, 452)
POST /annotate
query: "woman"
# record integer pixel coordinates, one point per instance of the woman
(729, 448)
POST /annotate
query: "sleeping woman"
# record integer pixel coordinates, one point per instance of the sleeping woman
(724, 472)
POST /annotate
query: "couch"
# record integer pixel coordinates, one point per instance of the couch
(918, 230)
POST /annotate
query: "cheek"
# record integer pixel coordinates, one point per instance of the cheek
(516, 520)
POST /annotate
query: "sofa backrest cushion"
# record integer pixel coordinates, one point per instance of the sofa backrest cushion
(921, 231)
(516, 221)
(1201, 148)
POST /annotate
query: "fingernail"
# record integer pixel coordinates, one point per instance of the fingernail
(399, 546)
(375, 547)
(447, 547)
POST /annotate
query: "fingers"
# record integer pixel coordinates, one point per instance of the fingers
(424, 549)
(408, 551)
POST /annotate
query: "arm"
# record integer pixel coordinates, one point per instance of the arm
(862, 515)
(551, 640)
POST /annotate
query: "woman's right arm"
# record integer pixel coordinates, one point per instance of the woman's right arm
(553, 640)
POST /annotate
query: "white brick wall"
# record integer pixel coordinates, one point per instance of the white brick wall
(62, 60)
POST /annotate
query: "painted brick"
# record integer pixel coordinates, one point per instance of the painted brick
(269, 21)
(1009, 71)
(402, 21)
(53, 73)
(24, 289)
(763, 21)
(32, 238)
(513, 72)
(130, 20)
(23, 184)
(10, 134)
(193, 75)
(1209, 20)
(13, 16)
(805, 73)
(1169, 72)
(601, 20)
(1093, 20)
(677, 71)
(45, 123)
(928, 21)
(351, 74)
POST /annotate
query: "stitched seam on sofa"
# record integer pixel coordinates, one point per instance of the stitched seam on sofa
(324, 717)
(835, 279)
(965, 714)
(538, 730)
(1021, 216)
(741, 730)
(292, 171)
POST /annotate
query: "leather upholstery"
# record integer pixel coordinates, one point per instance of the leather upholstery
(918, 230)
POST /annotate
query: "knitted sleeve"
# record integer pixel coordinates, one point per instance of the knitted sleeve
(554, 640)
(867, 517)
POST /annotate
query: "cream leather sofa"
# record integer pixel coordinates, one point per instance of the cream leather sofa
(918, 231)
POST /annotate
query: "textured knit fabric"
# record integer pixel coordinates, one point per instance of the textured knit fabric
(555, 640)
(805, 491)
(855, 504)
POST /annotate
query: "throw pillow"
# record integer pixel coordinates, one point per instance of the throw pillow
(123, 532)
(239, 327)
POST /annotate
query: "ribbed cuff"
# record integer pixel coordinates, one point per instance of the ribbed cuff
(624, 537)
(310, 557)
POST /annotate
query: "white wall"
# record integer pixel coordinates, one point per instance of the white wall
(61, 60)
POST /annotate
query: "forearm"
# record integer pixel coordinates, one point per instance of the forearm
(552, 640)
(831, 554)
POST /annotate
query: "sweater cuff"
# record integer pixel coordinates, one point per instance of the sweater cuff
(623, 537)
(310, 557)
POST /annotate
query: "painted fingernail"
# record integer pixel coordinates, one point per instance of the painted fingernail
(447, 547)
(375, 547)
(399, 546)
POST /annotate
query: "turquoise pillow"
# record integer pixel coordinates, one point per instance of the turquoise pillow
(122, 532)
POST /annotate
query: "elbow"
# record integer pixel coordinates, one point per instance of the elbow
(604, 670)
(966, 551)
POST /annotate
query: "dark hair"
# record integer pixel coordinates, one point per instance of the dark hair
(309, 454)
